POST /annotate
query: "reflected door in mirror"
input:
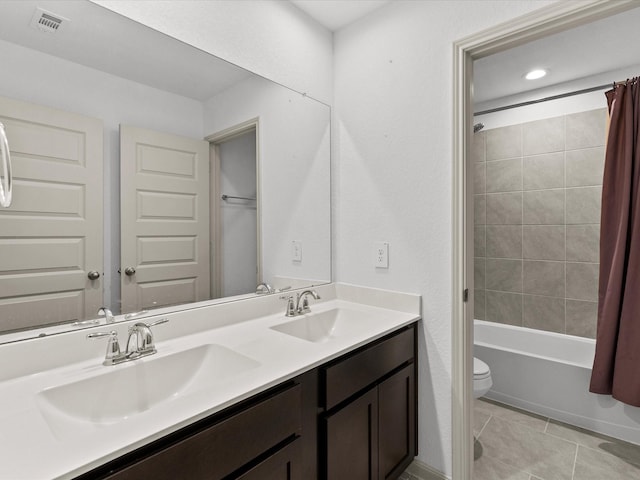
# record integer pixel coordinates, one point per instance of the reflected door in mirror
(164, 219)
(51, 237)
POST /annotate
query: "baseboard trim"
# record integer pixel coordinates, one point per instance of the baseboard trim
(425, 472)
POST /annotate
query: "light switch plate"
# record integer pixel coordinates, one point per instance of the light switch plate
(296, 251)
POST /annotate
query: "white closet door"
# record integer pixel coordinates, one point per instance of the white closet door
(51, 236)
(165, 219)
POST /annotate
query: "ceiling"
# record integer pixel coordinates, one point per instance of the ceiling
(101, 39)
(335, 14)
(602, 46)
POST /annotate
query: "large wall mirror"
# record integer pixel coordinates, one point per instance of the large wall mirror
(148, 173)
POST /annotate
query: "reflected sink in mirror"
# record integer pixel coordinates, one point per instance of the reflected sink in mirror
(131, 388)
(327, 325)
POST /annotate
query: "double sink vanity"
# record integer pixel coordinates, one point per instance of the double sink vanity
(235, 390)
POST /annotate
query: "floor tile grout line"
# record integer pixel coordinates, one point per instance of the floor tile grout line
(484, 426)
(575, 462)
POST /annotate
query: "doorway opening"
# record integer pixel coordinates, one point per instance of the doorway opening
(552, 19)
(236, 266)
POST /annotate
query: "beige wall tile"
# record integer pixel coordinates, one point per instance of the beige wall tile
(503, 275)
(478, 146)
(543, 136)
(543, 207)
(504, 241)
(582, 281)
(479, 273)
(543, 171)
(544, 278)
(504, 208)
(583, 243)
(581, 318)
(583, 205)
(504, 307)
(543, 242)
(479, 175)
(479, 209)
(504, 142)
(479, 240)
(586, 129)
(504, 175)
(585, 167)
(479, 297)
(543, 313)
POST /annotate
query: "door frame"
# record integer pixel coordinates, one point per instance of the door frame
(548, 20)
(215, 224)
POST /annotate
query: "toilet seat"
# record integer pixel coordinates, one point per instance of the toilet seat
(482, 381)
(480, 369)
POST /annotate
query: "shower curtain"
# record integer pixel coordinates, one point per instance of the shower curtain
(616, 367)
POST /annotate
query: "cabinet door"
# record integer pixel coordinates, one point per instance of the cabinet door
(352, 436)
(285, 464)
(397, 423)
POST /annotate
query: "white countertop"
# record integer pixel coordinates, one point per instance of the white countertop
(32, 446)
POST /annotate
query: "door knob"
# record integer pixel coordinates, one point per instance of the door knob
(129, 271)
(93, 275)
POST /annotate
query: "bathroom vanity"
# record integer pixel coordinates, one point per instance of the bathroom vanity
(329, 394)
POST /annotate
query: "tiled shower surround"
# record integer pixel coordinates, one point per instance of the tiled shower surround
(537, 200)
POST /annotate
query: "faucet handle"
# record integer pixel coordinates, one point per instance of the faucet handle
(291, 305)
(113, 346)
(105, 312)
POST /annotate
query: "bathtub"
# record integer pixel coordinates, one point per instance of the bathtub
(548, 373)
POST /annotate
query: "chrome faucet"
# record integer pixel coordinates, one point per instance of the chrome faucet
(139, 344)
(301, 305)
(105, 312)
(264, 288)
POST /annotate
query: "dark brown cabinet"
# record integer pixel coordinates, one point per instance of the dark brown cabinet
(370, 433)
(352, 418)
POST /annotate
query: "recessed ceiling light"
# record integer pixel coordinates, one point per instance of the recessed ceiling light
(535, 74)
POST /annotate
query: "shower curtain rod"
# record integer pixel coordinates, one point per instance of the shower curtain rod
(546, 99)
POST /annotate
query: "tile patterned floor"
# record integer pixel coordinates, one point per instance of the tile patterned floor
(515, 445)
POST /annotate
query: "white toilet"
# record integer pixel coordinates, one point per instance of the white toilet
(481, 378)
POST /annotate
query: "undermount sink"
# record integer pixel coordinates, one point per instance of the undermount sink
(323, 326)
(119, 392)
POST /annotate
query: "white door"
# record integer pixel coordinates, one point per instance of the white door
(51, 236)
(164, 194)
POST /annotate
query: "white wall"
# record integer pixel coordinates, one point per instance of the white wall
(393, 136)
(272, 38)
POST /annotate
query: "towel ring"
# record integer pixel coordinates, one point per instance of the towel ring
(6, 181)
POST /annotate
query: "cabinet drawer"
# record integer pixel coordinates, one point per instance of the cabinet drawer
(365, 367)
(226, 446)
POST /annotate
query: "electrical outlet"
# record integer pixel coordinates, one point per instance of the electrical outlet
(381, 254)
(296, 251)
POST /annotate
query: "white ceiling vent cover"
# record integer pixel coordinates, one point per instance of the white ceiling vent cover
(47, 21)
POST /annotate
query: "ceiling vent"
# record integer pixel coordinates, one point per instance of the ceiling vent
(47, 21)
